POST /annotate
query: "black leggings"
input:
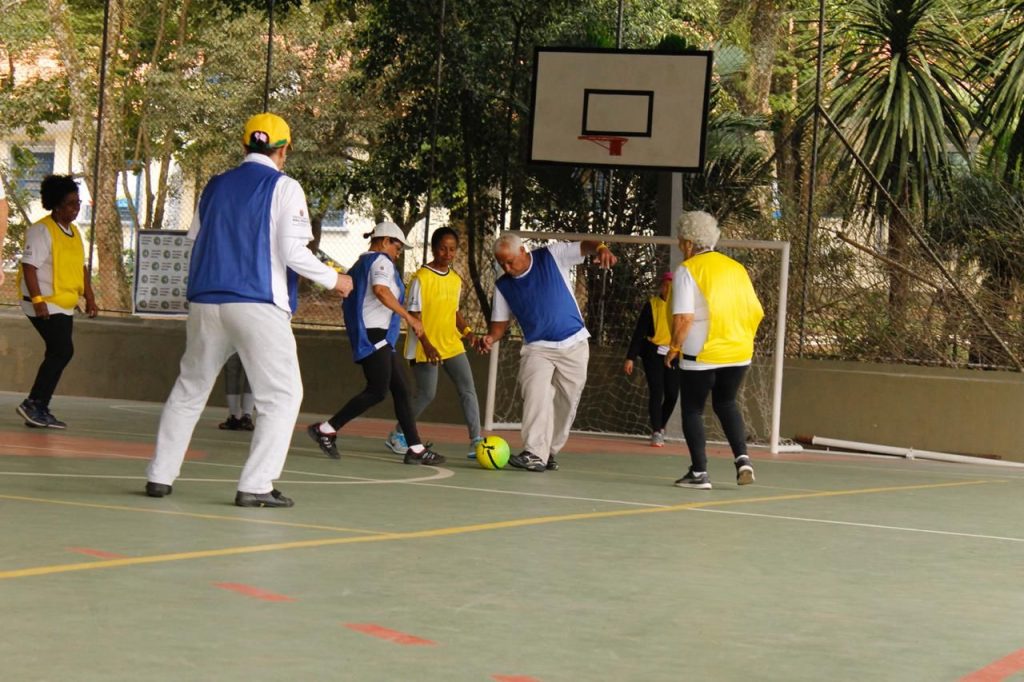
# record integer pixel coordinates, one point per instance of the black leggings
(723, 384)
(662, 386)
(383, 371)
(56, 333)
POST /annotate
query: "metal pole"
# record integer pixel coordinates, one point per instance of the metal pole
(433, 131)
(610, 180)
(270, 54)
(812, 185)
(99, 131)
(780, 351)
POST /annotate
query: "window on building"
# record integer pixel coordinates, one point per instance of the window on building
(42, 168)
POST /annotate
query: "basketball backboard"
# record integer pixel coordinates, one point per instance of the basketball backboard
(620, 108)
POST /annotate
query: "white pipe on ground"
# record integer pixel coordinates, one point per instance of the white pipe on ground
(908, 453)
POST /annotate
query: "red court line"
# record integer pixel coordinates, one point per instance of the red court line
(254, 592)
(388, 634)
(99, 553)
(514, 678)
(45, 443)
(1000, 670)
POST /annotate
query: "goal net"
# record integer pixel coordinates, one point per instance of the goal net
(611, 300)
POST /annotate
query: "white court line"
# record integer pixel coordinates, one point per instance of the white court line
(33, 474)
(904, 529)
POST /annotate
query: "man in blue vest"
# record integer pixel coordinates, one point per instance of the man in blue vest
(553, 364)
(249, 247)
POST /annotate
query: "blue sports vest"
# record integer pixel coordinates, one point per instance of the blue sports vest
(230, 260)
(541, 301)
(352, 307)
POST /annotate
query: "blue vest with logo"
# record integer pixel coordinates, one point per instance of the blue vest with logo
(541, 301)
(352, 307)
(230, 260)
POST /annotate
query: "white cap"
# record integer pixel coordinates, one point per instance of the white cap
(389, 229)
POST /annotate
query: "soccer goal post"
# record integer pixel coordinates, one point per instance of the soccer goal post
(611, 300)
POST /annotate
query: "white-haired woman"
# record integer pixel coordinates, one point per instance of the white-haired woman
(715, 314)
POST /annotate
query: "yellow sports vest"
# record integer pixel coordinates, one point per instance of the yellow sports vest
(662, 324)
(68, 256)
(439, 301)
(733, 309)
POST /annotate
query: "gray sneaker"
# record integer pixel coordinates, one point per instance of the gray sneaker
(744, 471)
(658, 439)
(396, 442)
(527, 460)
(692, 480)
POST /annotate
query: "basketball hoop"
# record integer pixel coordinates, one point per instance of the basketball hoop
(611, 143)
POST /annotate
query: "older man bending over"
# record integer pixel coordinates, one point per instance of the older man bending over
(553, 362)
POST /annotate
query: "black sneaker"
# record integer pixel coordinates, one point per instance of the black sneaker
(692, 480)
(272, 499)
(33, 413)
(527, 460)
(552, 464)
(51, 421)
(232, 423)
(328, 443)
(427, 457)
(246, 423)
(744, 470)
(158, 489)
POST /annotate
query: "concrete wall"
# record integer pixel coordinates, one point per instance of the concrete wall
(972, 412)
(137, 359)
(961, 411)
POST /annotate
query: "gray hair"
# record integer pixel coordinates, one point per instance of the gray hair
(508, 242)
(700, 228)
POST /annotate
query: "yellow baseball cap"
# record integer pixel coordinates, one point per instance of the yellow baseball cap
(265, 132)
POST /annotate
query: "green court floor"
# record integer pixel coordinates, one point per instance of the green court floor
(828, 568)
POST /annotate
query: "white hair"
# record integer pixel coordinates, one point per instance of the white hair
(700, 228)
(508, 242)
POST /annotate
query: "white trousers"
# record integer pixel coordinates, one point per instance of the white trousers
(261, 334)
(552, 381)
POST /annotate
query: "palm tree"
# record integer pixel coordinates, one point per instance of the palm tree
(900, 102)
(1001, 70)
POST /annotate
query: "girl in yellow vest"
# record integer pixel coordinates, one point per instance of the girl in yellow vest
(651, 339)
(52, 279)
(715, 314)
(433, 296)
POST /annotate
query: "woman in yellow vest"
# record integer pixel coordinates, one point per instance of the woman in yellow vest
(651, 339)
(434, 294)
(52, 279)
(715, 314)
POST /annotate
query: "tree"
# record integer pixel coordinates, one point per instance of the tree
(898, 97)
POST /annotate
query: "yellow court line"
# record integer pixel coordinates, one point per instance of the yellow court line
(453, 530)
(216, 517)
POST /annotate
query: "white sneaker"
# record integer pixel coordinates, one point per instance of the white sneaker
(658, 439)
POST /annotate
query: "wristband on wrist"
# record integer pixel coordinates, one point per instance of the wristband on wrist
(675, 349)
(467, 331)
(600, 246)
(38, 299)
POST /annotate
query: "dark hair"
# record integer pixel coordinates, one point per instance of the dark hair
(266, 151)
(439, 234)
(54, 188)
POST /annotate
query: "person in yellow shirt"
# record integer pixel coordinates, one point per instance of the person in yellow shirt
(52, 279)
(715, 314)
(433, 297)
(650, 342)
